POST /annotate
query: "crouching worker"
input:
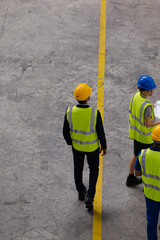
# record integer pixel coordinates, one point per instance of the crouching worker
(148, 165)
(83, 129)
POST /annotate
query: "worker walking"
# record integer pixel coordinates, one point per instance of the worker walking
(83, 129)
(141, 122)
(148, 165)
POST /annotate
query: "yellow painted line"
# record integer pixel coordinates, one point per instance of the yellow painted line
(97, 211)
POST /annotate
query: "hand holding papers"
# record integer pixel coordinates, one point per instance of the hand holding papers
(157, 110)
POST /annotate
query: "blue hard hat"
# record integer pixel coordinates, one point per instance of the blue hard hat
(146, 82)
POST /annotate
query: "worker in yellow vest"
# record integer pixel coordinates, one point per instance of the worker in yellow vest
(148, 165)
(141, 122)
(83, 129)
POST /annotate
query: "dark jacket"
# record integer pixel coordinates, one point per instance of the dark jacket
(99, 129)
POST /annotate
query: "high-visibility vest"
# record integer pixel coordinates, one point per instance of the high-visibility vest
(150, 167)
(137, 128)
(82, 123)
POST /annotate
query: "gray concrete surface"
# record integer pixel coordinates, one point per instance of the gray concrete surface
(46, 49)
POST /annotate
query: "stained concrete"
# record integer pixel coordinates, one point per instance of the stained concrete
(46, 49)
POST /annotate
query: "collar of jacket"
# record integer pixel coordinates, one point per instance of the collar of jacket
(82, 105)
(155, 148)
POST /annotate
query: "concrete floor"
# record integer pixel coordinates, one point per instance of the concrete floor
(46, 49)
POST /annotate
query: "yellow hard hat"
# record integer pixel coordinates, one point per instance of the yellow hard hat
(155, 135)
(82, 92)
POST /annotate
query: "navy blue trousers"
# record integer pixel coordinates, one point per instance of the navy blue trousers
(152, 213)
(93, 163)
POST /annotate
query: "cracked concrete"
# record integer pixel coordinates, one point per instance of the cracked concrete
(46, 49)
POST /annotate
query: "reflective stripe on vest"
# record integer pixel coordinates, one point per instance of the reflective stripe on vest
(137, 128)
(148, 175)
(149, 160)
(83, 133)
(134, 117)
(139, 131)
(84, 143)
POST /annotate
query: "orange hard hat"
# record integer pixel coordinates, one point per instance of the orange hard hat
(155, 135)
(82, 92)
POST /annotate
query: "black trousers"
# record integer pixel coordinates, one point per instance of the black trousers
(138, 146)
(93, 163)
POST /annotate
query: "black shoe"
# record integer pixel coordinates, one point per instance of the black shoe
(133, 180)
(89, 203)
(82, 195)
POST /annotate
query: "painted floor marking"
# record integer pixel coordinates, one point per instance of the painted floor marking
(97, 211)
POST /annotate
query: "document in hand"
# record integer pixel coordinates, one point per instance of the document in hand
(157, 110)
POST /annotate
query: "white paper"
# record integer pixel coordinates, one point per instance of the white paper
(157, 109)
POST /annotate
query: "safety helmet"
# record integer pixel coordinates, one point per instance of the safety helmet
(146, 82)
(82, 92)
(155, 135)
